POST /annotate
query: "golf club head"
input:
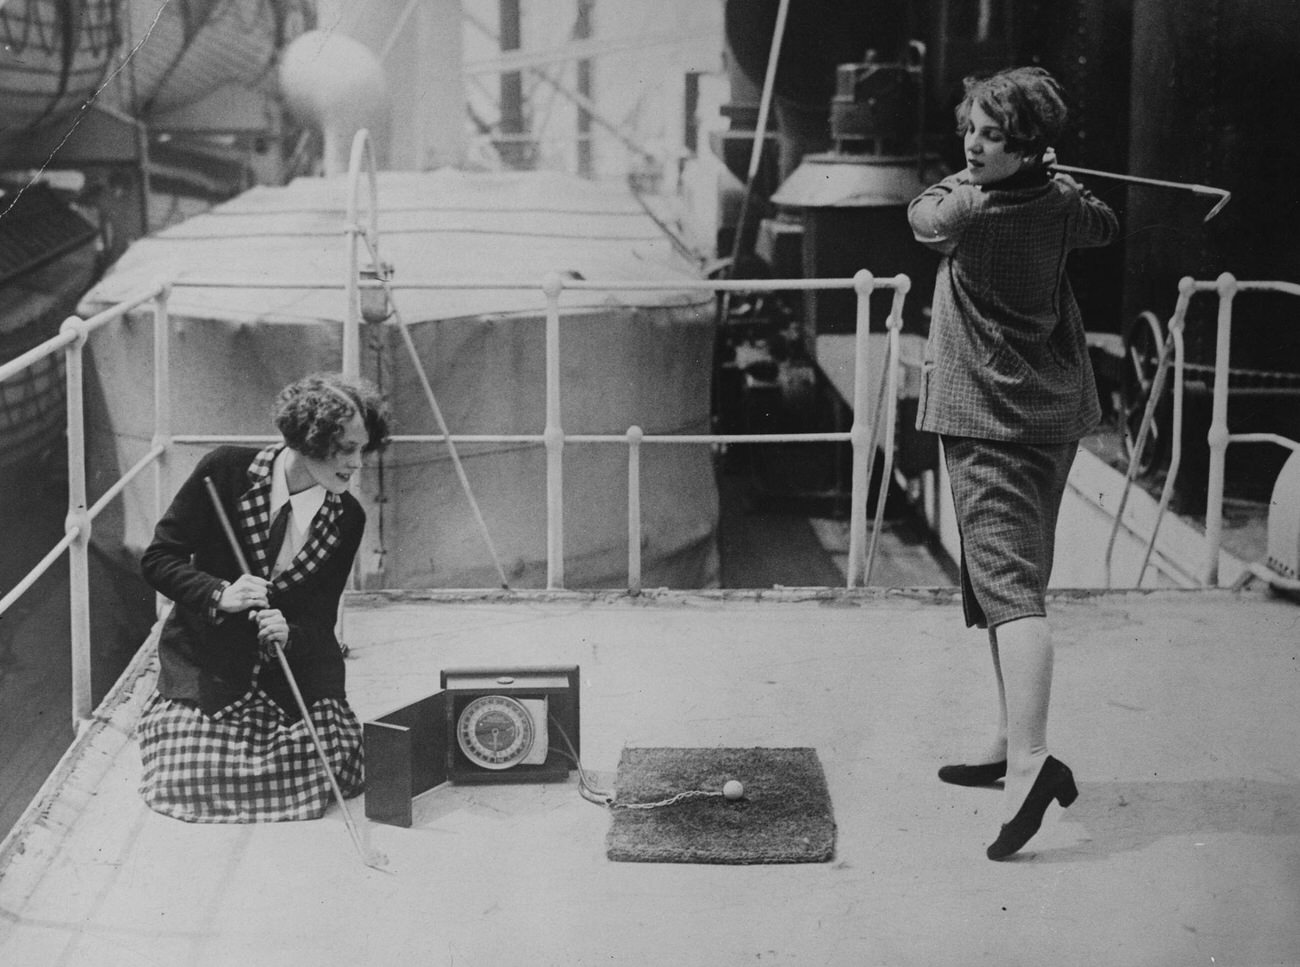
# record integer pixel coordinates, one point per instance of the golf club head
(1226, 196)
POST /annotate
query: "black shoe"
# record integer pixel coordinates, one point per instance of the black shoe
(1055, 781)
(984, 775)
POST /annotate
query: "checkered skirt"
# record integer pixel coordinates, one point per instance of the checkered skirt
(247, 763)
(1007, 497)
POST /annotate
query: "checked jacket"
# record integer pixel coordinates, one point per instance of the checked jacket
(208, 657)
(1007, 357)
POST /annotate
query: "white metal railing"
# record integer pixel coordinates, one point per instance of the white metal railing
(75, 332)
(863, 437)
(77, 527)
(553, 437)
(1227, 287)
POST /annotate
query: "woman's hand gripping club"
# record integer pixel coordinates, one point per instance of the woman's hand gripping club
(275, 630)
(249, 592)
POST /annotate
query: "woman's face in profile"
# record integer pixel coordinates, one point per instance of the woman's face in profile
(334, 473)
(987, 157)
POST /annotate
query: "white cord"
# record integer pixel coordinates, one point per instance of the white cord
(602, 798)
(672, 801)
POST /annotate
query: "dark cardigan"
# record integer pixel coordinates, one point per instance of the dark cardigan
(207, 657)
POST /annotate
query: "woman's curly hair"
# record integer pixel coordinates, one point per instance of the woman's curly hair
(312, 414)
(1025, 101)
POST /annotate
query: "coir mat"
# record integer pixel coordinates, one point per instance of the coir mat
(783, 816)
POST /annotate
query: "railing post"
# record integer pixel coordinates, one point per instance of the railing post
(634, 434)
(351, 334)
(902, 285)
(1218, 435)
(162, 412)
(77, 525)
(362, 156)
(1186, 288)
(553, 436)
(1177, 325)
(859, 434)
(350, 364)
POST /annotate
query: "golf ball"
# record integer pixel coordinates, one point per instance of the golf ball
(733, 789)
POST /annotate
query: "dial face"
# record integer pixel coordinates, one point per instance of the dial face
(495, 731)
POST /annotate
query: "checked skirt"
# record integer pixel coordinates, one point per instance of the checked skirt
(247, 763)
(1007, 497)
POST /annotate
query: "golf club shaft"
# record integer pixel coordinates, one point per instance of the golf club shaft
(1222, 194)
(288, 675)
(320, 751)
(225, 525)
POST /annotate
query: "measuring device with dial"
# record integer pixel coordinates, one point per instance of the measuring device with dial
(507, 722)
(486, 725)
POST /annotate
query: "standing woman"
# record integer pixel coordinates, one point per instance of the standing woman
(222, 739)
(1008, 386)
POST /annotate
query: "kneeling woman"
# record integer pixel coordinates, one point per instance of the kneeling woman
(222, 739)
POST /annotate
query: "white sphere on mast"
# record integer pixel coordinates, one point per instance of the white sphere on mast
(333, 82)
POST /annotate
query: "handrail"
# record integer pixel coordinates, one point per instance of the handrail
(71, 339)
(1226, 286)
(37, 353)
(645, 285)
(67, 336)
(554, 438)
(352, 325)
(363, 153)
(1218, 435)
(162, 413)
(1173, 347)
(860, 561)
(1177, 330)
(75, 332)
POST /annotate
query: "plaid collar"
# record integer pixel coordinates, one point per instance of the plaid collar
(254, 513)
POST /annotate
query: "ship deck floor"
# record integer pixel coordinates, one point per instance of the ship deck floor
(1177, 710)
